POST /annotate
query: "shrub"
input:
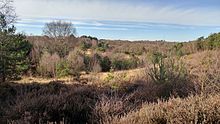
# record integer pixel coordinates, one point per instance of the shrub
(93, 64)
(84, 45)
(131, 48)
(195, 109)
(102, 46)
(171, 76)
(76, 62)
(119, 65)
(200, 44)
(96, 67)
(158, 72)
(105, 64)
(209, 43)
(48, 64)
(213, 41)
(62, 68)
(109, 77)
(96, 60)
(7, 95)
(53, 102)
(107, 108)
(178, 49)
(125, 64)
(166, 71)
(209, 73)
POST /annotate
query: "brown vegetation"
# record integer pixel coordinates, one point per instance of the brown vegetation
(149, 82)
(194, 109)
(119, 98)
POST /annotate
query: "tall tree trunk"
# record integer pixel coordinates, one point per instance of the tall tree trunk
(4, 71)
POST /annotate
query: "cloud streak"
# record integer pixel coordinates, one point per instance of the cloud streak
(117, 11)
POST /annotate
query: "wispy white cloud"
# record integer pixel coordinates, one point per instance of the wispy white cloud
(117, 11)
(103, 28)
(81, 27)
(46, 20)
(29, 25)
(103, 25)
(33, 20)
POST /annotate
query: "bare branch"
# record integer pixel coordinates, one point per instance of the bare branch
(59, 29)
(7, 13)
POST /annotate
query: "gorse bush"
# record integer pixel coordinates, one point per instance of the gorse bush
(124, 63)
(102, 46)
(63, 69)
(85, 45)
(105, 64)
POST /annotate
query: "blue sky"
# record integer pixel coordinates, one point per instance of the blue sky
(173, 20)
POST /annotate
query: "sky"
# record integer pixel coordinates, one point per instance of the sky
(171, 20)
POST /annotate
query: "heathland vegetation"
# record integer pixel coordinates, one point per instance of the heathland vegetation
(91, 80)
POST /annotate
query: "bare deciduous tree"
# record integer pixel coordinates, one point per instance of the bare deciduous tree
(59, 29)
(7, 13)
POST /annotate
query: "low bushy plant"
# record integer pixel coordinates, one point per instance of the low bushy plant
(165, 70)
(195, 109)
(170, 75)
(63, 69)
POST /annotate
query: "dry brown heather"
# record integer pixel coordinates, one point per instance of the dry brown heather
(126, 96)
(192, 110)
